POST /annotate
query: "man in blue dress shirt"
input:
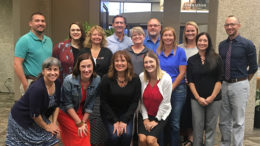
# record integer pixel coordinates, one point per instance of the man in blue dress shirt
(118, 40)
(239, 58)
(152, 40)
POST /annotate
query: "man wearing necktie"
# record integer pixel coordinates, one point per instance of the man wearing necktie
(239, 57)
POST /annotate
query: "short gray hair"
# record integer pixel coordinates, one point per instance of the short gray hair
(51, 61)
(138, 30)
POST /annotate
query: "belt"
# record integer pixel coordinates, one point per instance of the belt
(31, 77)
(236, 80)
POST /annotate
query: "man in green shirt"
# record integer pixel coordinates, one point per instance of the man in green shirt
(31, 50)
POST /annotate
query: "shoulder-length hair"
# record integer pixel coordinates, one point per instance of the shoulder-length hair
(192, 23)
(83, 34)
(84, 56)
(211, 55)
(161, 46)
(88, 43)
(159, 72)
(129, 73)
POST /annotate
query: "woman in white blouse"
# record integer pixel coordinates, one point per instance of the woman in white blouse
(155, 101)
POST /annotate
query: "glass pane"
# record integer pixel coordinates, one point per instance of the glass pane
(137, 7)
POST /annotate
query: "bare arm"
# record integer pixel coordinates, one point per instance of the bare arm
(18, 68)
(74, 115)
(177, 81)
(55, 115)
(52, 128)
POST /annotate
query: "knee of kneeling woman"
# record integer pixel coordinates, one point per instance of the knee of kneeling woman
(151, 140)
(142, 138)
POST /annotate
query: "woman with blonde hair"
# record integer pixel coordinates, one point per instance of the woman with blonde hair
(173, 61)
(95, 44)
(137, 50)
(155, 100)
(120, 92)
(190, 32)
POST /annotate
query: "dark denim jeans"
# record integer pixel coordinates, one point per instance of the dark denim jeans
(123, 140)
(177, 101)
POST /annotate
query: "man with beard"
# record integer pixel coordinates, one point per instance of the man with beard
(239, 58)
(31, 50)
(118, 40)
(152, 39)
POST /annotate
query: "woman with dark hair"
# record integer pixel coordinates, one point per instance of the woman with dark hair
(173, 61)
(155, 101)
(205, 75)
(28, 122)
(95, 44)
(67, 51)
(79, 91)
(120, 91)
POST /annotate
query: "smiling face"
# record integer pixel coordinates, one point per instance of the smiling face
(96, 37)
(38, 24)
(86, 69)
(232, 26)
(190, 32)
(150, 64)
(168, 38)
(202, 43)
(137, 38)
(75, 32)
(51, 73)
(119, 25)
(153, 28)
(120, 63)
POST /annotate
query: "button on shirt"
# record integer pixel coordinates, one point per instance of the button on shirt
(243, 55)
(114, 44)
(171, 63)
(150, 45)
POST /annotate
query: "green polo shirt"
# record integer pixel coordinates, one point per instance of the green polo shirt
(34, 51)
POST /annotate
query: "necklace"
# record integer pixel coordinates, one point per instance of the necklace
(121, 83)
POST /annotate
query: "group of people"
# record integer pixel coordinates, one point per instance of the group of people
(102, 91)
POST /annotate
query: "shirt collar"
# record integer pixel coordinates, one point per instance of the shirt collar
(171, 53)
(235, 39)
(117, 38)
(36, 38)
(148, 38)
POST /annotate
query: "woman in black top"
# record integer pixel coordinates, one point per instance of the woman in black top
(205, 74)
(120, 93)
(95, 44)
(28, 122)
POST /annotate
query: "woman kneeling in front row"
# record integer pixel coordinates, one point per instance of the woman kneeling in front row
(155, 101)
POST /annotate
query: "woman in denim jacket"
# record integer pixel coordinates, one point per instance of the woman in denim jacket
(79, 91)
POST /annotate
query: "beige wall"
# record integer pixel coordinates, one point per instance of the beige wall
(6, 46)
(64, 12)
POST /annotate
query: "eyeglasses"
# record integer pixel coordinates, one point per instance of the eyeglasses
(137, 35)
(231, 24)
(153, 25)
(73, 30)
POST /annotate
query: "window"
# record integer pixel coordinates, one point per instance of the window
(117, 8)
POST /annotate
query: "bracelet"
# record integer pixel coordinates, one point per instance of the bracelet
(80, 124)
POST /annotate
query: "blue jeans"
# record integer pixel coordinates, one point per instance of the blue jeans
(177, 101)
(123, 140)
